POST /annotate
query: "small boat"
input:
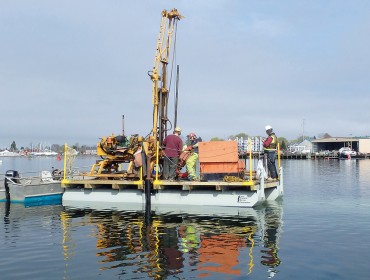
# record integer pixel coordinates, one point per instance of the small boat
(31, 189)
(346, 153)
(45, 152)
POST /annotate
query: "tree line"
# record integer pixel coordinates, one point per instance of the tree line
(284, 143)
(54, 147)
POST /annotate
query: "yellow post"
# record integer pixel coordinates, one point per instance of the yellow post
(278, 154)
(157, 161)
(65, 164)
(250, 159)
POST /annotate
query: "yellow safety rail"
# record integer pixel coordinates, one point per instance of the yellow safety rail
(279, 160)
(157, 162)
(250, 159)
(69, 156)
(278, 146)
(65, 181)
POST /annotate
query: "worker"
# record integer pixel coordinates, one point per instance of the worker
(173, 148)
(192, 145)
(270, 145)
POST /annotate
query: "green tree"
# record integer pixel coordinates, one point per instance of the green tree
(76, 147)
(283, 143)
(239, 135)
(57, 148)
(216, 139)
(13, 147)
(324, 135)
(242, 135)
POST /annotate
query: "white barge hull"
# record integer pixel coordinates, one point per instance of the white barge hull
(136, 198)
(166, 197)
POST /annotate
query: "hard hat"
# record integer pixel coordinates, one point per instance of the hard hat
(192, 134)
(268, 127)
(178, 129)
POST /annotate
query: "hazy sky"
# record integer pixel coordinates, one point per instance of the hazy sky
(70, 69)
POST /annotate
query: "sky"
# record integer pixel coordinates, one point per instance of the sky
(70, 69)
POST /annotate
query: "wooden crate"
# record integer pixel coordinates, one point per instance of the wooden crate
(220, 157)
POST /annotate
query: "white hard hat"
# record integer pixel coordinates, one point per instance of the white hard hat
(177, 128)
(268, 127)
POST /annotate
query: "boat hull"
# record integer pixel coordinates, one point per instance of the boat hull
(33, 192)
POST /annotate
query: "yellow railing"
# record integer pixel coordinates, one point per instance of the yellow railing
(278, 150)
(250, 159)
(157, 162)
(64, 181)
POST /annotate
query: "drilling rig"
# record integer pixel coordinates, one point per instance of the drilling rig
(142, 154)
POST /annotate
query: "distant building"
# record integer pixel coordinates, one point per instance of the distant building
(304, 147)
(358, 144)
(90, 152)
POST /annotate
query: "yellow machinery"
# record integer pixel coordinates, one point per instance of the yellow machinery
(117, 150)
(138, 153)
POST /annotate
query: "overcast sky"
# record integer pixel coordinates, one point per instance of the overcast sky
(70, 69)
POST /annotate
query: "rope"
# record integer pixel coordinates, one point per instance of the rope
(231, 179)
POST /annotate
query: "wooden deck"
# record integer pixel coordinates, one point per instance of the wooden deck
(166, 185)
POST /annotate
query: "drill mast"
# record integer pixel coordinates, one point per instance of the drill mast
(158, 76)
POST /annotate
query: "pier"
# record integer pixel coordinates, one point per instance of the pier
(315, 156)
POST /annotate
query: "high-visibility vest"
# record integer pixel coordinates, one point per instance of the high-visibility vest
(273, 143)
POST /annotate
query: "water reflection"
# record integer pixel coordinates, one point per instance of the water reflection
(201, 242)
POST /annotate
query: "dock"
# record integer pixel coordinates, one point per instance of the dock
(314, 156)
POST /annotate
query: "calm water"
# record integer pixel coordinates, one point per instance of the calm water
(320, 230)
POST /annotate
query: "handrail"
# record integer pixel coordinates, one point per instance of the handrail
(250, 159)
(157, 162)
(65, 163)
(278, 154)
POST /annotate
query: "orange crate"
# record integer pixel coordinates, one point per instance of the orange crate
(220, 157)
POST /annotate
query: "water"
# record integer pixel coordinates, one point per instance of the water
(320, 230)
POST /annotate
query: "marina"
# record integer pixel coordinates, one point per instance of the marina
(114, 164)
(318, 156)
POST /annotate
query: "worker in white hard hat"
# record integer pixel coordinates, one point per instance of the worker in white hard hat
(192, 146)
(270, 145)
(172, 150)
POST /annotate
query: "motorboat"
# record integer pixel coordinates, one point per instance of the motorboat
(346, 152)
(31, 189)
(45, 152)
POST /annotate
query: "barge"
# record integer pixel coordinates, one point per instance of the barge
(130, 169)
(238, 187)
(186, 194)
